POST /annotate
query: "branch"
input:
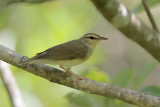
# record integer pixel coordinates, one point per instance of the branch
(90, 86)
(4, 3)
(145, 5)
(25, 1)
(132, 27)
(11, 86)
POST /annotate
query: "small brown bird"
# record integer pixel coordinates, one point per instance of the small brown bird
(69, 54)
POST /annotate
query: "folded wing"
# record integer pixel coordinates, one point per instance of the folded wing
(67, 51)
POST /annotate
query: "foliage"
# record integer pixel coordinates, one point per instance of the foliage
(152, 90)
(32, 28)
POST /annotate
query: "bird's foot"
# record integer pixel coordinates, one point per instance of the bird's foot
(67, 70)
(78, 77)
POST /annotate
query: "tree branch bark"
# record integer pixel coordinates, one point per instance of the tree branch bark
(11, 86)
(131, 26)
(25, 1)
(90, 86)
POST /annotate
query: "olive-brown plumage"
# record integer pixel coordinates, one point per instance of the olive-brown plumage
(70, 53)
(67, 51)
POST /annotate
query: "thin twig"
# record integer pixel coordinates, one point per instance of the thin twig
(150, 16)
(11, 86)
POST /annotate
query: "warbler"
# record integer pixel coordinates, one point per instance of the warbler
(69, 54)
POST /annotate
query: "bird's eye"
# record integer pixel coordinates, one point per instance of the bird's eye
(91, 37)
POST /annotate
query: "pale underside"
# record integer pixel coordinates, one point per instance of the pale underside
(65, 63)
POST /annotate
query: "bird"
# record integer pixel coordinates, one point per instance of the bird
(69, 54)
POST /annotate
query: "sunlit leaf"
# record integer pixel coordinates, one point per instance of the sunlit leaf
(4, 94)
(3, 19)
(95, 74)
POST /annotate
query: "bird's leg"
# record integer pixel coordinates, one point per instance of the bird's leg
(69, 71)
(79, 77)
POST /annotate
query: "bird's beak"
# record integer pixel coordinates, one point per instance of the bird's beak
(103, 38)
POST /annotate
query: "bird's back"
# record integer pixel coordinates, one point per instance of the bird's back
(68, 51)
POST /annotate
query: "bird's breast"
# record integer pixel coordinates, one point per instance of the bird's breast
(70, 63)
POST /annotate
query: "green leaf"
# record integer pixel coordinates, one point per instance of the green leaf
(123, 78)
(152, 90)
(140, 8)
(3, 19)
(147, 69)
(95, 74)
(85, 100)
(77, 99)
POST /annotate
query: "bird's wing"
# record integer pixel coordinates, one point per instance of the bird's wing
(67, 51)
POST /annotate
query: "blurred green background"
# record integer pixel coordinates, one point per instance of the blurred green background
(31, 28)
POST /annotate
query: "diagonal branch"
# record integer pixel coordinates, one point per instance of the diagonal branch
(145, 5)
(26, 1)
(131, 26)
(90, 86)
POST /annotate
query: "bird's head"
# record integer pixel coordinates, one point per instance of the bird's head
(92, 39)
